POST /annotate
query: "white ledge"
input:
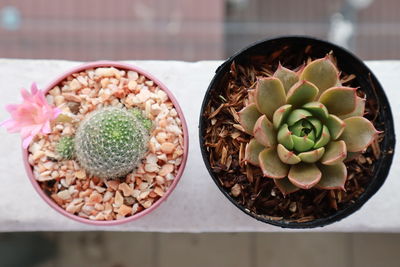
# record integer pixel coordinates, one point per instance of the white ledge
(196, 205)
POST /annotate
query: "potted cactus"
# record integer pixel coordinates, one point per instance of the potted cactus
(105, 143)
(297, 133)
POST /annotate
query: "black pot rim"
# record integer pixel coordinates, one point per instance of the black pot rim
(382, 169)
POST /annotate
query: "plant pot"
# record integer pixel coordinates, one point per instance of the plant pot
(171, 183)
(257, 198)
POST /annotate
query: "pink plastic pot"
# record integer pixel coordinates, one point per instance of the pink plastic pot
(128, 67)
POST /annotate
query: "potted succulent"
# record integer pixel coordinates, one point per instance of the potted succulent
(296, 132)
(105, 143)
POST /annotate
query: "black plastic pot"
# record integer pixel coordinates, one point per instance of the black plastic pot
(296, 49)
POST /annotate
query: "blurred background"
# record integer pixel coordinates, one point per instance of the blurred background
(193, 30)
(122, 249)
(189, 30)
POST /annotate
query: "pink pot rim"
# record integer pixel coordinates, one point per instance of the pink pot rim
(128, 67)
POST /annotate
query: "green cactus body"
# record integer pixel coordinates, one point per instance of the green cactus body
(147, 124)
(65, 147)
(110, 142)
(303, 125)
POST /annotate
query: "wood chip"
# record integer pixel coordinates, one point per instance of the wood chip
(236, 190)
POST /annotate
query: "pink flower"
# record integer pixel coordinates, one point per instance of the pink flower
(31, 117)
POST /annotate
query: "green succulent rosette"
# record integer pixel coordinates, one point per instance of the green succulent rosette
(304, 124)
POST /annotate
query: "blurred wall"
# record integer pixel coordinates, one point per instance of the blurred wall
(117, 29)
(373, 26)
(378, 35)
(189, 29)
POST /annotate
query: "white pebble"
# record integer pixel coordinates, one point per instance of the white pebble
(162, 95)
(75, 85)
(170, 177)
(151, 159)
(107, 196)
(64, 195)
(133, 75)
(151, 167)
(82, 80)
(55, 174)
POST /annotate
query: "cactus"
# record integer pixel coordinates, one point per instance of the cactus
(148, 124)
(303, 125)
(65, 147)
(110, 142)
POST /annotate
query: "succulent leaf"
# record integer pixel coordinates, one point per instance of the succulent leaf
(317, 126)
(285, 186)
(287, 156)
(252, 95)
(271, 165)
(339, 100)
(304, 175)
(270, 95)
(264, 132)
(253, 149)
(303, 128)
(286, 76)
(301, 93)
(317, 109)
(322, 73)
(324, 138)
(351, 156)
(336, 126)
(358, 134)
(335, 152)
(296, 115)
(280, 115)
(285, 137)
(312, 155)
(358, 111)
(311, 135)
(333, 176)
(302, 143)
(297, 128)
(248, 117)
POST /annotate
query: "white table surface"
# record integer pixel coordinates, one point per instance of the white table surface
(196, 205)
